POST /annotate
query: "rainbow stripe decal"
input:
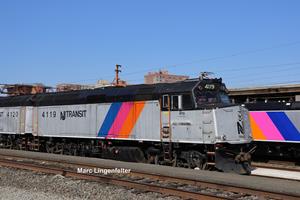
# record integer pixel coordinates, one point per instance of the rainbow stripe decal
(275, 126)
(121, 119)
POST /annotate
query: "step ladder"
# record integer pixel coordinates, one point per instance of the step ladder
(167, 144)
(23, 144)
(210, 159)
(165, 132)
(35, 144)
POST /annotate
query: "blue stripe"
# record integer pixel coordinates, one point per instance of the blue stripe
(109, 119)
(285, 126)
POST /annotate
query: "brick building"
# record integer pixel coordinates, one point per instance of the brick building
(69, 87)
(23, 89)
(163, 77)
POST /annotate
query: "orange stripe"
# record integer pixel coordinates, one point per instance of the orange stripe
(257, 133)
(131, 119)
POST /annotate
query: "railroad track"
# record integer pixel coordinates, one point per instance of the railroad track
(184, 188)
(186, 194)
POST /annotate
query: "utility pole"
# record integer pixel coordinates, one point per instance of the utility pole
(117, 70)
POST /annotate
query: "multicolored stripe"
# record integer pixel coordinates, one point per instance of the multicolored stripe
(121, 119)
(275, 126)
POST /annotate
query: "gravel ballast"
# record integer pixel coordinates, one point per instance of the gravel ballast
(27, 185)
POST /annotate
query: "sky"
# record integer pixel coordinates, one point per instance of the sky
(246, 42)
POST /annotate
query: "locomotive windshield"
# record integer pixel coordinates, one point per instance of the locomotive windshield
(224, 98)
(210, 93)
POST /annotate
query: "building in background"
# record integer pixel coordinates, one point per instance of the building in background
(121, 83)
(102, 83)
(69, 87)
(23, 89)
(163, 77)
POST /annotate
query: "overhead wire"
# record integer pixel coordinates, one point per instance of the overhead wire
(200, 60)
(262, 80)
(258, 67)
(259, 73)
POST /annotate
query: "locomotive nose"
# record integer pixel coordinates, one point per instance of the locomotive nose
(232, 125)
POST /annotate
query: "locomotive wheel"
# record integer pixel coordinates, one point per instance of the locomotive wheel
(59, 148)
(19, 144)
(192, 160)
(151, 159)
(70, 149)
(49, 148)
(152, 155)
(197, 160)
(181, 163)
(9, 143)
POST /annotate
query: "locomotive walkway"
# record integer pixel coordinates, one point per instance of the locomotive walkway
(252, 185)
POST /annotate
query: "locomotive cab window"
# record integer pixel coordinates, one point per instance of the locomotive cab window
(224, 98)
(165, 101)
(176, 102)
(187, 102)
(205, 95)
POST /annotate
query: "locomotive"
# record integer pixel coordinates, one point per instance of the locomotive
(276, 129)
(188, 124)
